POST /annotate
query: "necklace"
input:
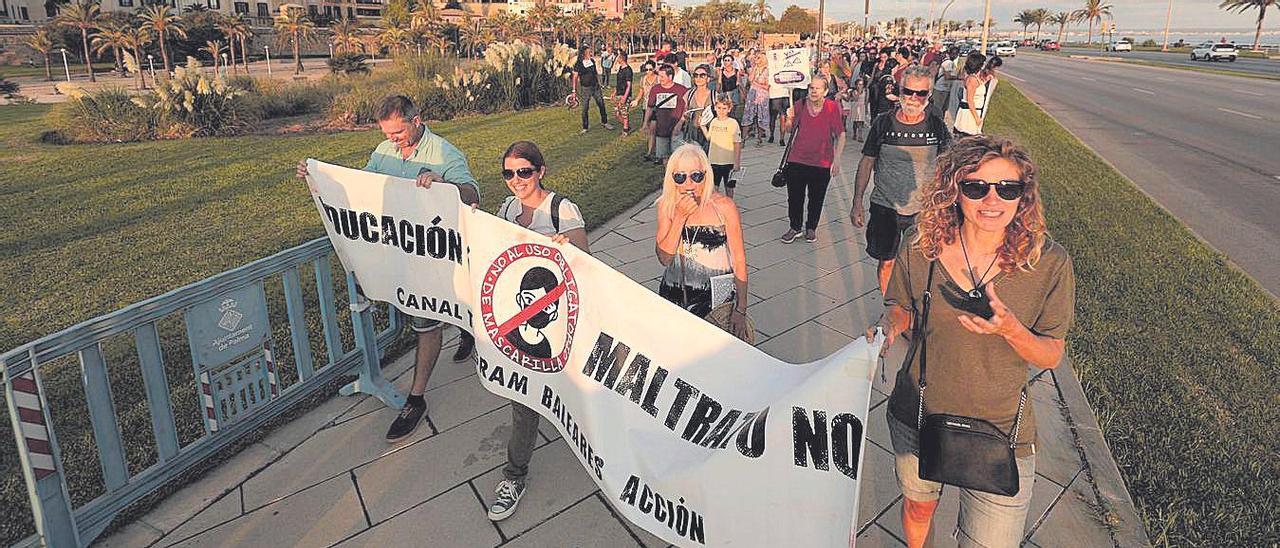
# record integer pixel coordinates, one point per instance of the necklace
(976, 292)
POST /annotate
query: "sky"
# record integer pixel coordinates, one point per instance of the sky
(1134, 14)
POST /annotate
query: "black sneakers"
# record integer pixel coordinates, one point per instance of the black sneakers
(466, 347)
(509, 493)
(407, 421)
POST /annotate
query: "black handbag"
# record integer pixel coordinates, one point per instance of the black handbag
(957, 450)
(780, 177)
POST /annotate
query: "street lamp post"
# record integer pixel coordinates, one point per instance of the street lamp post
(1167, 16)
(986, 25)
(268, 50)
(224, 65)
(866, 19)
(66, 67)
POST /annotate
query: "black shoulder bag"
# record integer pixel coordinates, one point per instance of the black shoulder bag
(957, 450)
(780, 177)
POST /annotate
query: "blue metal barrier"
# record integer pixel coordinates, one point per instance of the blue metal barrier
(228, 330)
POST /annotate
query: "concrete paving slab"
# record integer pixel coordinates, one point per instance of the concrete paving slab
(764, 232)
(199, 495)
(831, 257)
(789, 309)
(461, 401)
(587, 524)
(648, 214)
(606, 258)
(640, 232)
(878, 428)
(643, 269)
(319, 516)
(608, 241)
(876, 537)
(224, 510)
(455, 518)
(806, 343)
(849, 282)
(1073, 521)
(879, 486)
(130, 536)
(781, 277)
(853, 317)
(762, 215)
(556, 481)
(451, 458)
(1056, 455)
(773, 252)
(633, 251)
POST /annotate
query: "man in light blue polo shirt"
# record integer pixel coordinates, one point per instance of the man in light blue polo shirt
(412, 151)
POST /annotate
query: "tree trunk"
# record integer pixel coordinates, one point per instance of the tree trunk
(231, 48)
(142, 78)
(244, 53)
(1090, 32)
(115, 52)
(48, 74)
(1061, 29)
(297, 53)
(88, 61)
(1262, 12)
(164, 54)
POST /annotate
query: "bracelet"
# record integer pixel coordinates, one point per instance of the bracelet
(739, 310)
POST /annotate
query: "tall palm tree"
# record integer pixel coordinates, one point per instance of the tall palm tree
(968, 26)
(1062, 19)
(542, 15)
(1093, 11)
(225, 25)
(236, 29)
(1023, 18)
(163, 22)
(425, 15)
(631, 24)
(215, 49)
(110, 38)
(82, 15)
(1039, 17)
(1241, 6)
(136, 39)
(395, 38)
(469, 36)
(346, 35)
(294, 28)
(42, 42)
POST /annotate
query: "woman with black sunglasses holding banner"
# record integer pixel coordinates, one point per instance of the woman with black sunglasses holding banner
(534, 207)
(699, 241)
(985, 294)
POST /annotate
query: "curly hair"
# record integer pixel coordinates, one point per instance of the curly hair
(939, 220)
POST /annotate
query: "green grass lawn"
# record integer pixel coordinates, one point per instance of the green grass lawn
(1178, 350)
(94, 228)
(55, 67)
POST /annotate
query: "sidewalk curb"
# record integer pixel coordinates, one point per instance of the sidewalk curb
(1119, 515)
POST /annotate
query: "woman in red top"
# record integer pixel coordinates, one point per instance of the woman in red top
(817, 145)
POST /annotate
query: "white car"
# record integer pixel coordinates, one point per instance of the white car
(1005, 49)
(1209, 51)
(1120, 45)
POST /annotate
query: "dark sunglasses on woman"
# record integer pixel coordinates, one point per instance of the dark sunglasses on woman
(976, 189)
(680, 176)
(523, 173)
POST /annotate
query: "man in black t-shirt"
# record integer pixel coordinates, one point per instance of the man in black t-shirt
(622, 92)
(901, 148)
(586, 85)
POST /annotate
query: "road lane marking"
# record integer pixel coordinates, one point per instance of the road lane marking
(1020, 79)
(1088, 79)
(1146, 91)
(1238, 113)
(1247, 92)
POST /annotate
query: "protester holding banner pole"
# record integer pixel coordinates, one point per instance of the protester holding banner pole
(700, 242)
(412, 151)
(540, 210)
(981, 227)
(813, 160)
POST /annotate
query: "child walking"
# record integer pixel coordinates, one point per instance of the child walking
(855, 108)
(725, 136)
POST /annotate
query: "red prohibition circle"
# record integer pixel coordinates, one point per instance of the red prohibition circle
(568, 288)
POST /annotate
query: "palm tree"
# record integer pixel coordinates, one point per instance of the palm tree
(225, 25)
(395, 38)
(245, 32)
(294, 28)
(425, 15)
(236, 29)
(214, 48)
(42, 42)
(137, 38)
(84, 16)
(968, 26)
(346, 35)
(1039, 17)
(1061, 19)
(1093, 11)
(110, 38)
(1023, 18)
(472, 36)
(159, 19)
(542, 15)
(631, 24)
(1241, 6)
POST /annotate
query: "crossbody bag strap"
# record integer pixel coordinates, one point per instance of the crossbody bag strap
(795, 130)
(556, 200)
(918, 336)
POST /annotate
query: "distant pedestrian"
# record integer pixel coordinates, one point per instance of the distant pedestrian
(698, 101)
(814, 158)
(649, 78)
(586, 85)
(856, 99)
(607, 60)
(533, 207)
(1002, 304)
(666, 108)
(755, 113)
(699, 241)
(948, 74)
(622, 93)
(901, 148)
(729, 77)
(978, 89)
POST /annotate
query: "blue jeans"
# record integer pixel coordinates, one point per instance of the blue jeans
(986, 520)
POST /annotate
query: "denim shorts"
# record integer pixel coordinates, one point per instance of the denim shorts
(985, 519)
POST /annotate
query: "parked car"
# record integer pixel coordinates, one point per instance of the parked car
(1209, 51)
(1051, 46)
(1120, 45)
(1004, 49)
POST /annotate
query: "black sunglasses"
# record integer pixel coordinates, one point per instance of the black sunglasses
(701, 75)
(916, 92)
(976, 189)
(680, 176)
(523, 173)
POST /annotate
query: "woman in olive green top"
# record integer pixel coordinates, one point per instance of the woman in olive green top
(1003, 299)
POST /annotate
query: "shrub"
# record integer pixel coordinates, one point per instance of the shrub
(1149, 43)
(192, 105)
(108, 115)
(275, 99)
(358, 106)
(8, 88)
(348, 63)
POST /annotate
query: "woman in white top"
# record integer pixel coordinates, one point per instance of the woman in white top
(979, 85)
(549, 214)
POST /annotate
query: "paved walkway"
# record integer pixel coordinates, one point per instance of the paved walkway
(329, 479)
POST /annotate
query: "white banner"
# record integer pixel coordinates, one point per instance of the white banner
(788, 69)
(691, 434)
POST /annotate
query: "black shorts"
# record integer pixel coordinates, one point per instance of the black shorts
(779, 105)
(721, 172)
(884, 231)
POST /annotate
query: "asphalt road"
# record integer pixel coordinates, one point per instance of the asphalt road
(1242, 64)
(1205, 146)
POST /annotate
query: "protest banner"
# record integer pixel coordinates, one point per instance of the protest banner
(789, 68)
(690, 433)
